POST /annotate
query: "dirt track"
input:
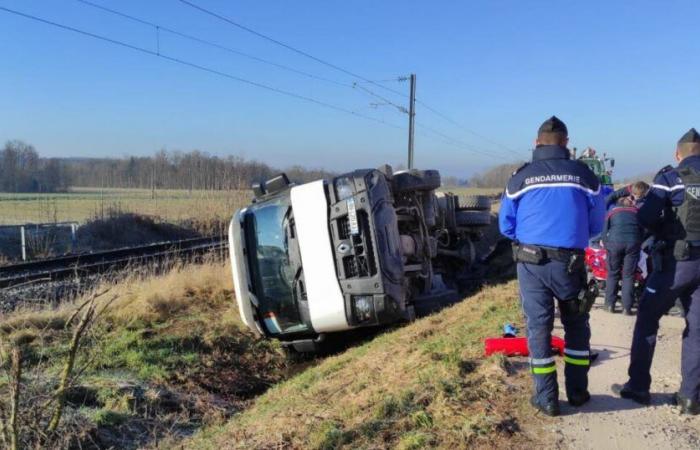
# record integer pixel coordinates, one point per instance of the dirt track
(609, 422)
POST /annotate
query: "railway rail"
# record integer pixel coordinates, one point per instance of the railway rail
(76, 266)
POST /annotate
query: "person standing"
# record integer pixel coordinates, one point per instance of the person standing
(622, 238)
(550, 209)
(672, 212)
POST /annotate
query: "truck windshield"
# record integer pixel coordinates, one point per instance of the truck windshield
(267, 231)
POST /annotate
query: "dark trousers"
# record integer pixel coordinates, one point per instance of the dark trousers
(622, 260)
(540, 285)
(676, 280)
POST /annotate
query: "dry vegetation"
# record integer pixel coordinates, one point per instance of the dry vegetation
(424, 385)
(176, 206)
(168, 355)
(82, 204)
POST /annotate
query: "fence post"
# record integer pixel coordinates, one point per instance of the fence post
(24, 243)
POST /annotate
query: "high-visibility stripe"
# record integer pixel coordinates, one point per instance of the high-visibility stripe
(541, 361)
(577, 361)
(544, 370)
(572, 352)
(668, 188)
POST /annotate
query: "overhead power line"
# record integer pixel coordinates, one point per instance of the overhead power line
(457, 124)
(158, 28)
(459, 144)
(340, 69)
(287, 46)
(198, 66)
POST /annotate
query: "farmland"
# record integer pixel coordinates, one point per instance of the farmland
(178, 206)
(82, 204)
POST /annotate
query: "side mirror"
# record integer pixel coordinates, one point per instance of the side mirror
(612, 162)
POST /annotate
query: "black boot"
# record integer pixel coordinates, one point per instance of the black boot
(624, 391)
(551, 408)
(579, 398)
(688, 406)
(628, 312)
(610, 308)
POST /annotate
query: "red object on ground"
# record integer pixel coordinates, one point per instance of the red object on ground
(516, 346)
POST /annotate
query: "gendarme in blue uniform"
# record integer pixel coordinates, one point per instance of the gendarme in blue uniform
(671, 279)
(554, 203)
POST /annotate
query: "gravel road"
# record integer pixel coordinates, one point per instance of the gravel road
(609, 422)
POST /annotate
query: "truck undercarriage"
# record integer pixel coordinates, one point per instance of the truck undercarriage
(367, 248)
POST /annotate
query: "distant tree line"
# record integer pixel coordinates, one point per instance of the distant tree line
(193, 170)
(22, 170)
(495, 177)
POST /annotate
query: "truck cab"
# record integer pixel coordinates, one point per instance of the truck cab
(364, 249)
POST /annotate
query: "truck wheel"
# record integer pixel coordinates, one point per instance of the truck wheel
(475, 202)
(416, 180)
(473, 218)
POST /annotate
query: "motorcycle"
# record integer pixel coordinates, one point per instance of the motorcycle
(597, 268)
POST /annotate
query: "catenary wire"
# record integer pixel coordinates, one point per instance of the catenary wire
(338, 68)
(211, 43)
(444, 137)
(199, 67)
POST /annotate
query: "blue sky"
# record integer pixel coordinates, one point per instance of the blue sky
(622, 74)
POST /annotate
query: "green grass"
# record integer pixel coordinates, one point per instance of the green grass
(424, 385)
(161, 351)
(81, 204)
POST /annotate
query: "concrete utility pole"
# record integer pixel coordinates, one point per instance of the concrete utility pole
(411, 120)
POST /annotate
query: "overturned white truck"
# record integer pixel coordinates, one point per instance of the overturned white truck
(363, 249)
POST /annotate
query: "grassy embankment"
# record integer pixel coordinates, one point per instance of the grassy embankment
(167, 356)
(424, 385)
(170, 356)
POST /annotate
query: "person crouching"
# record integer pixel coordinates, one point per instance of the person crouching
(622, 238)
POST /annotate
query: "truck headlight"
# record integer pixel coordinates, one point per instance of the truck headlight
(363, 307)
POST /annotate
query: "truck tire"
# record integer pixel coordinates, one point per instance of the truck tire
(416, 180)
(475, 202)
(473, 218)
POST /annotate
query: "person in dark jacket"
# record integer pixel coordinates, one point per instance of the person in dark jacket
(622, 237)
(670, 212)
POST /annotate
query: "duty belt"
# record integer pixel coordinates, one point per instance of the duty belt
(539, 254)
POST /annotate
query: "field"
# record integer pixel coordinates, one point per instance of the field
(82, 204)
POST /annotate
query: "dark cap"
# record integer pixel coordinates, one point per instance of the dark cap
(553, 125)
(691, 137)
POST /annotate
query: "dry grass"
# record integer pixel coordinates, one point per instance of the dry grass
(82, 204)
(472, 191)
(424, 385)
(168, 355)
(192, 288)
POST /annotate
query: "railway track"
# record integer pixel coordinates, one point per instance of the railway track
(77, 266)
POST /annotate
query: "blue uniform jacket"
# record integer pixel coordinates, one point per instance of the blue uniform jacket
(667, 192)
(622, 226)
(553, 201)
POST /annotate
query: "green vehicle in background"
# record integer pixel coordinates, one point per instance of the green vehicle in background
(602, 167)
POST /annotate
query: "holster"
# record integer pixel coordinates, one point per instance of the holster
(530, 254)
(681, 250)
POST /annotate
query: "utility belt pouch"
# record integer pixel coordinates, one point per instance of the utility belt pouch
(681, 250)
(530, 254)
(576, 264)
